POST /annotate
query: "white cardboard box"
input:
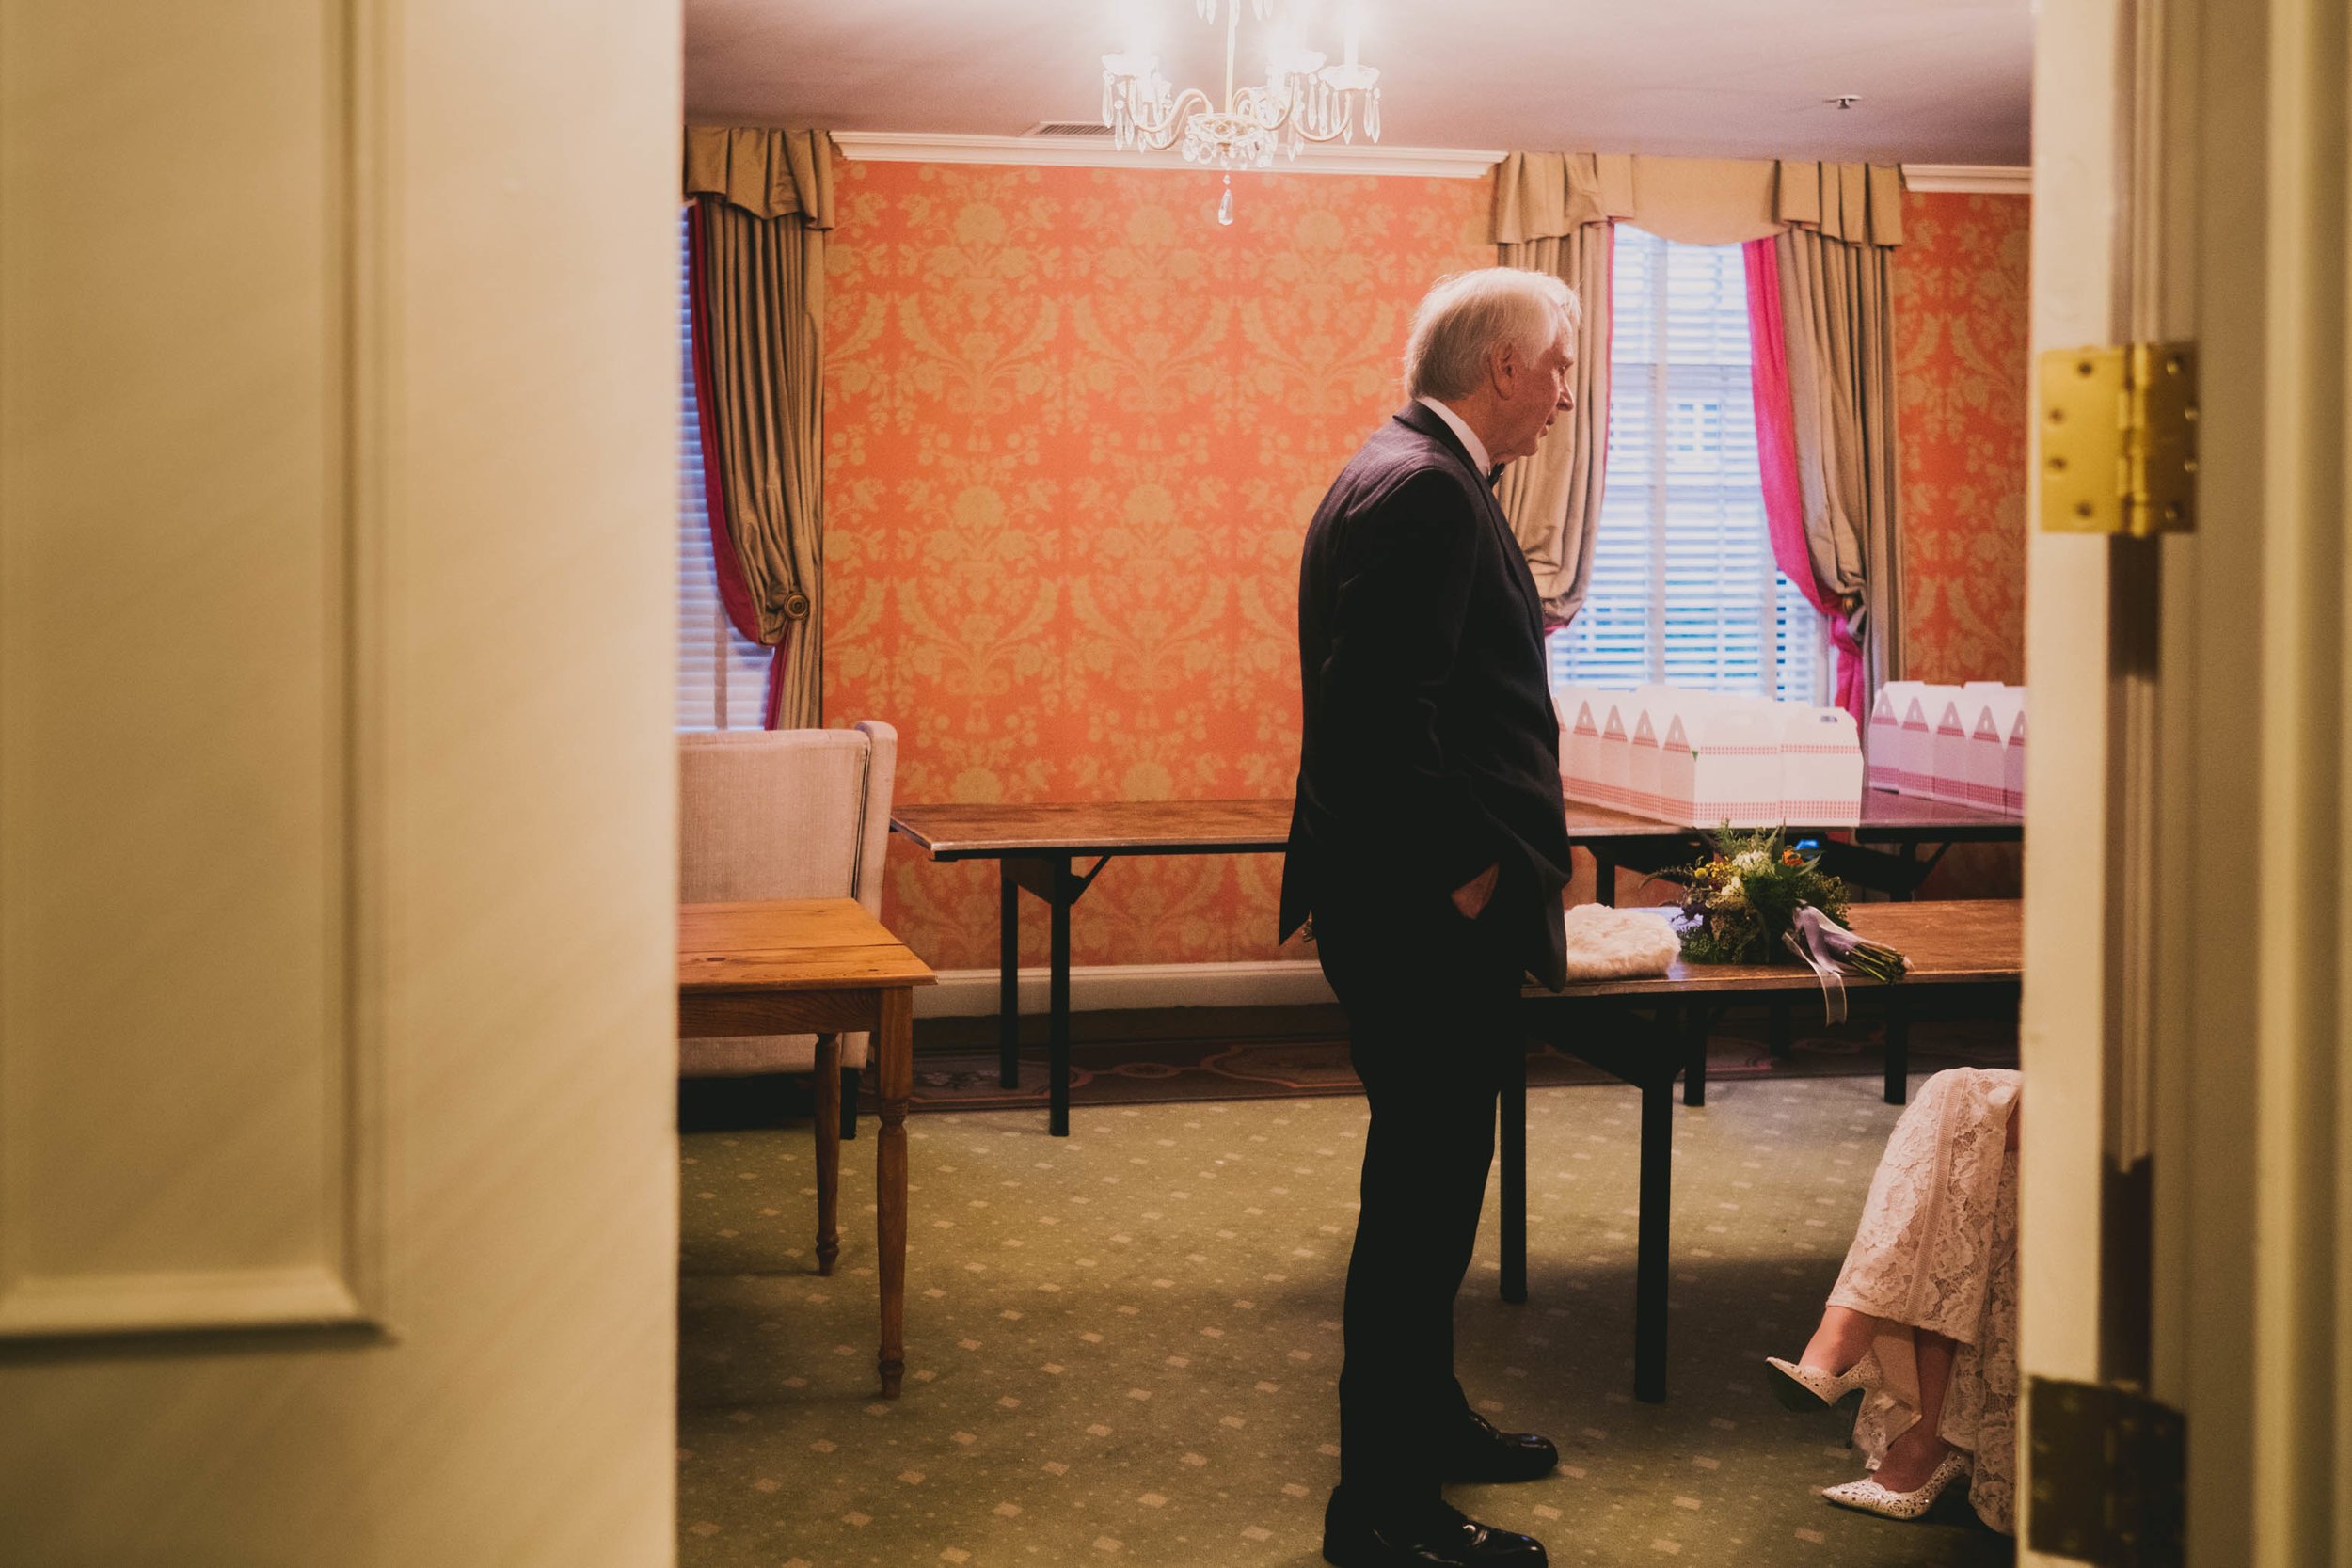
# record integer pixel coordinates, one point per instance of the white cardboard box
(2014, 767)
(1614, 777)
(1921, 721)
(1660, 708)
(1821, 762)
(1888, 750)
(1641, 795)
(1579, 742)
(1988, 748)
(1678, 770)
(1735, 768)
(1955, 725)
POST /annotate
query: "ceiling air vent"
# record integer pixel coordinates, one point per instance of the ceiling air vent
(1075, 129)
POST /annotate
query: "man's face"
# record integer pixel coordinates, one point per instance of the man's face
(1533, 395)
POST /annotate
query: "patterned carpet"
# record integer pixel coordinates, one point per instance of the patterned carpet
(1121, 1346)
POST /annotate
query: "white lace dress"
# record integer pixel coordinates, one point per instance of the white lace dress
(1937, 1250)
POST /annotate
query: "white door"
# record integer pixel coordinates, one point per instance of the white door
(2185, 1203)
(337, 1159)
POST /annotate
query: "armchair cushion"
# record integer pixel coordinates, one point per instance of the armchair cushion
(782, 814)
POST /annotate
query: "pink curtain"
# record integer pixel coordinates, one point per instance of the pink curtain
(1776, 457)
(734, 591)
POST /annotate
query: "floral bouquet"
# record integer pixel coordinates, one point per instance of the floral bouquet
(1748, 903)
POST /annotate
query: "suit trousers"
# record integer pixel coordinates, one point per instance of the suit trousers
(1430, 999)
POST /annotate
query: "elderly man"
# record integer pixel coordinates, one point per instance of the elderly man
(1430, 845)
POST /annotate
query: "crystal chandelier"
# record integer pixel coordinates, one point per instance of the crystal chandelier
(1303, 100)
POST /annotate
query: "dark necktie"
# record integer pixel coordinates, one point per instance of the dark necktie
(1493, 475)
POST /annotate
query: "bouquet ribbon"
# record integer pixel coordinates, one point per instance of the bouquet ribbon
(1820, 943)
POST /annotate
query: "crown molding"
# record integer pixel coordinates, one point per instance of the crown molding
(1980, 178)
(922, 148)
(1452, 162)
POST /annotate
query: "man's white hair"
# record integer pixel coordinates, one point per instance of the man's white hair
(1467, 316)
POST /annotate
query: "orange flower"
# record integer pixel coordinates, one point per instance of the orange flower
(1789, 857)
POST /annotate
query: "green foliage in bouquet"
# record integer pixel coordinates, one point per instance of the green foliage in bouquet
(1740, 903)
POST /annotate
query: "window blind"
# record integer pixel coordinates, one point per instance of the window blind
(1684, 587)
(721, 674)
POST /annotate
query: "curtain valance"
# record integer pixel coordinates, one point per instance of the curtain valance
(770, 174)
(1693, 201)
(1858, 204)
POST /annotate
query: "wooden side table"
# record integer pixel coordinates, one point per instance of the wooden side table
(823, 966)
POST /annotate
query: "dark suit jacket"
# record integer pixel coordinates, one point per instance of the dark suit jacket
(1430, 750)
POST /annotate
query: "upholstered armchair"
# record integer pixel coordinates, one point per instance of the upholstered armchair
(786, 814)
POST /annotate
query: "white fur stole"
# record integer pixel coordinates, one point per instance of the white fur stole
(1606, 943)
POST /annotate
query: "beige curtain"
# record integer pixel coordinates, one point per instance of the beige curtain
(1552, 500)
(1837, 302)
(766, 201)
(1555, 210)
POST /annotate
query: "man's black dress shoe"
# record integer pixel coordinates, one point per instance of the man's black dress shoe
(1479, 1452)
(1435, 1537)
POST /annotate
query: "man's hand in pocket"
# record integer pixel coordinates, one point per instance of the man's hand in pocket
(1472, 895)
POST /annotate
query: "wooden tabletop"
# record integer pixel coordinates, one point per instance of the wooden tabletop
(1882, 814)
(993, 832)
(795, 943)
(1944, 943)
(1103, 828)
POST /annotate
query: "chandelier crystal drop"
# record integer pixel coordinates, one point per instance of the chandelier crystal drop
(1302, 100)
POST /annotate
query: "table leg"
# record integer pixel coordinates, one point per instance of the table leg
(1694, 1031)
(1604, 876)
(1512, 1111)
(1649, 1270)
(1008, 977)
(1910, 852)
(1058, 1114)
(894, 1056)
(1897, 1046)
(828, 1113)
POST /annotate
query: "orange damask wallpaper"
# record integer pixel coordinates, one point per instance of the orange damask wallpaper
(1074, 431)
(1961, 369)
(1961, 363)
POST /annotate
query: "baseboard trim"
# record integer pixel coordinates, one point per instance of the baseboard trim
(1107, 988)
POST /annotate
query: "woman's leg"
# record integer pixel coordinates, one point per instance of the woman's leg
(1914, 1456)
(1840, 1341)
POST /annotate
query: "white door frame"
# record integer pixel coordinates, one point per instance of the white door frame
(2184, 922)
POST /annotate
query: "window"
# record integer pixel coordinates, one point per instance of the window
(721, 674)
(1684, 590)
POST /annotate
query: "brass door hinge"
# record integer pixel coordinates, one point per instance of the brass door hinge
(2119, 439)
(2110, 1475)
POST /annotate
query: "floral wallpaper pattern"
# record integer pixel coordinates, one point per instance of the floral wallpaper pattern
(1960, 373)
(1074, 429)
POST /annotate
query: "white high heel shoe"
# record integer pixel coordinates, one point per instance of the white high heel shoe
(1797, 1387)
(1867, 1497)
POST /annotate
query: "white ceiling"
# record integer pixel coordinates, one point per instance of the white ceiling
(1940, 81)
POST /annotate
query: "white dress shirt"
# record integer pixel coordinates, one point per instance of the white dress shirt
(1470, 443)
